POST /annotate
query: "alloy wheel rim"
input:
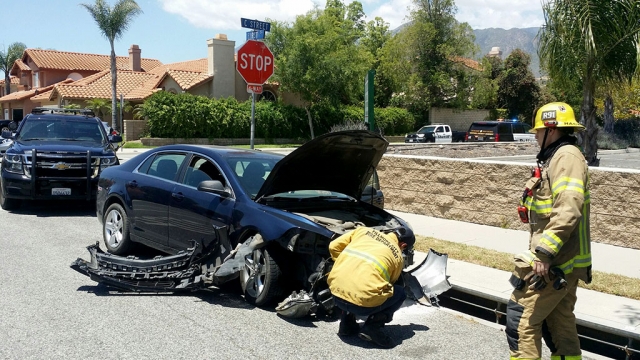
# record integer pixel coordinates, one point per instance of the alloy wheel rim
(113, 228)
(255, 273)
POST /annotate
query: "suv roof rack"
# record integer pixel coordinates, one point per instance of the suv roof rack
(44, 110)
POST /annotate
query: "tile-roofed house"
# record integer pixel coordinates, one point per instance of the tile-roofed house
(63, 60)
(15, 85)
(469, 63)
(38, 69)
(99, 85)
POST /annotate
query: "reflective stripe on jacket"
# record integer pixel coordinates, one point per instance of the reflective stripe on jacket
(559, 213)
(367, 263)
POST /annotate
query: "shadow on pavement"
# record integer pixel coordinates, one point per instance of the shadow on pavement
(399, 333)
(52, 208)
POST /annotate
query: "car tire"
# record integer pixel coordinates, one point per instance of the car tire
(266, 286)
(4, 128)
(115, 230)
(8, 204)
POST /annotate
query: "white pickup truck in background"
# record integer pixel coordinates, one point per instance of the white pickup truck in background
(435, 133)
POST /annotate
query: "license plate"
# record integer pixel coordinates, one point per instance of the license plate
(61, 191)
(410, 140)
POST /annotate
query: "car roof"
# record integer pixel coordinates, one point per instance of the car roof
(222, 151)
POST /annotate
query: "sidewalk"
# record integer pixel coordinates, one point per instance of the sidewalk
(593, 308)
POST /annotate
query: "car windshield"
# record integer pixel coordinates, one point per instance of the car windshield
(56, 129)
(253, 171)
(426, 130)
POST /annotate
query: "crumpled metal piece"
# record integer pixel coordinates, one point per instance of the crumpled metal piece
(429, 278)
(296, 305)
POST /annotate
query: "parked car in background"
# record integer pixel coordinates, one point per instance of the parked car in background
(495, 131)
(435, 133)
(8, 125)
(287, 208)
(56, 154)
(109, 129)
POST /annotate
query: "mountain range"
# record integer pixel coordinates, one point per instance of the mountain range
(506, 40)
(509, 40)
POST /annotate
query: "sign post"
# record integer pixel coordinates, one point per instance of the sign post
(255, 65)
(369, 100)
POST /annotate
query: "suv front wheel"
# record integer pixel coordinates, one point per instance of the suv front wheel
(8, 204)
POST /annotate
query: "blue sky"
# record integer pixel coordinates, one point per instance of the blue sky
(177, 30)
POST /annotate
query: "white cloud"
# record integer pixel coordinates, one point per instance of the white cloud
(505, 14)
(226, 14)
(479, 14)
(394, 12)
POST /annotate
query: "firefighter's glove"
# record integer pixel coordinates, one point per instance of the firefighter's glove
(559, 281)
(536, 282)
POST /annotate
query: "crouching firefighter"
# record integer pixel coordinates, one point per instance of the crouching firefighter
(555, 204)
(367, 264)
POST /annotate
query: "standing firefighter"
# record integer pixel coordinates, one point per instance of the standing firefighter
(555, 204)
(367, 264)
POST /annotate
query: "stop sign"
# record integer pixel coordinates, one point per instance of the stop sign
(255, 62)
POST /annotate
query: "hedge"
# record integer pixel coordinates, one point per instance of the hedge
(190, 116)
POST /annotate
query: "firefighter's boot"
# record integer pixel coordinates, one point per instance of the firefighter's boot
(348, 325)
(372, 331)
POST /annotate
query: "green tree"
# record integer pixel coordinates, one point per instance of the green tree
(424, 59)
(319, 57)
(518, 91)
(485, 83)
(375, 37)
(7, 58)
(444, 42)
(113, 22)
(594, 41)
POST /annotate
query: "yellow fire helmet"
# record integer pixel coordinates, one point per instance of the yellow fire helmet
(555, 115)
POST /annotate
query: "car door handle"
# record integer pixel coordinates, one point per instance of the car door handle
(132, 184)
(177, 196)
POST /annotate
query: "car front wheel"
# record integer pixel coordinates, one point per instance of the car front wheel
(8, 204)
(261, 278)
(115, 230)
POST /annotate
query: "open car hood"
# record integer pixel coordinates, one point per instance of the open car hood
(341, 162)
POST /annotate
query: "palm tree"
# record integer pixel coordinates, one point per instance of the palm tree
(7, 59)
(99, 106)
(594, 41)
(113, 22)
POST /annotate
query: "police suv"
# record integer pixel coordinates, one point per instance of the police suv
(55, 154)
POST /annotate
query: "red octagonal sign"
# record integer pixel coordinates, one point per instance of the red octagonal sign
(255, 62)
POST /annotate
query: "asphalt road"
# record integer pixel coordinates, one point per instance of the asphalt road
(49, 311)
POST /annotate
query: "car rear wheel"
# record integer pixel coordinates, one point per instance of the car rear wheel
(261, 278)
(8, 204)
(115, 230)
(4, 128)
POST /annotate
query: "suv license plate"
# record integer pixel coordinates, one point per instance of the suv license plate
(61, 191)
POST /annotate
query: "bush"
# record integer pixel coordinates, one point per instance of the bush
(628, 130)
(190, 116)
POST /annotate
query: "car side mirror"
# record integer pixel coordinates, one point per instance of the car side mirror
(13, 126)
(7, 134)
(115, 138)
(213, 186)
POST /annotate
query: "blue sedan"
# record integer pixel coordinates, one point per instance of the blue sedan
(288, 208)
